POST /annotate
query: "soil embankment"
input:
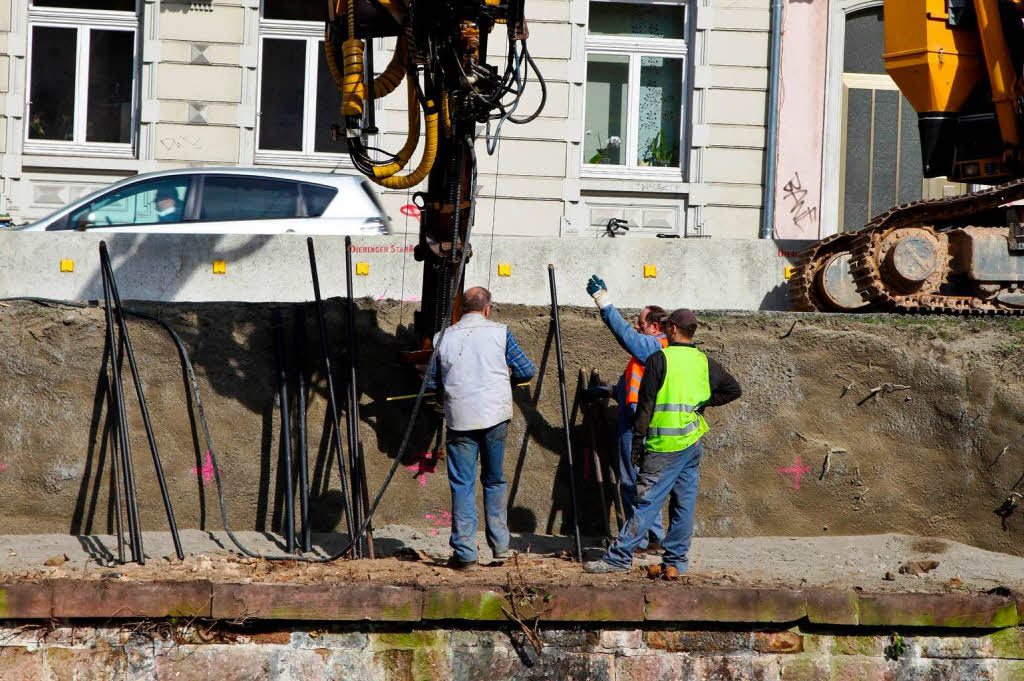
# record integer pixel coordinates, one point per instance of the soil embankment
(919, 420)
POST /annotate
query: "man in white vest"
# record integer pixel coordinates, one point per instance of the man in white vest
(476, 363)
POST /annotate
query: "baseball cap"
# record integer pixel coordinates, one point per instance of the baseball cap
(681, 318)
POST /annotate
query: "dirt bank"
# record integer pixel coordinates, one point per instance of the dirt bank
(933, 452)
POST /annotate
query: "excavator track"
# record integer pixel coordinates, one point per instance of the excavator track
(927, 218)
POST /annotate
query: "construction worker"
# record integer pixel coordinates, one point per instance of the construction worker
(640, 340)
(475, 362)
(679, 382)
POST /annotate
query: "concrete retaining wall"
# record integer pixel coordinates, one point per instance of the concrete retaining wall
(698, 273)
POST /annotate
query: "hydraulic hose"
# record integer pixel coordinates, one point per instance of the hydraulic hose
(430, 114)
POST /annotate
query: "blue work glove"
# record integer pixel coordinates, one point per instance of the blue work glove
(598, 290)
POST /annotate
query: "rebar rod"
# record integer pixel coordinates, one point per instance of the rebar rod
(286, 432)
(565, 410)
(332, 404)
(127, 465)
(300, 365)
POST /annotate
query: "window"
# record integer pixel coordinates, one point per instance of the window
(634, 85)
(881, 156)
(317, 198)
(248, 198)
(82, 66)
(300, 105)
(142, 203)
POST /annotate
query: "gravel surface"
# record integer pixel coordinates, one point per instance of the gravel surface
(416, 556)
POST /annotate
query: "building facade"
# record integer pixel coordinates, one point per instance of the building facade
(655, 110)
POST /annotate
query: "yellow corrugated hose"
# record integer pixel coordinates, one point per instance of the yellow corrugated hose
(426, 163)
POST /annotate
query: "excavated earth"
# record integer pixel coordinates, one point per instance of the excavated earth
(848, 424)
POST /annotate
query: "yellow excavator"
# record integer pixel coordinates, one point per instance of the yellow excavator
(960, 64)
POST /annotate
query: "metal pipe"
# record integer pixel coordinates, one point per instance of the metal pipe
(772, 142)
(360, 494)
(126, 339)
(332, 404)
(300, 355)
(286, 433)
(127, 465)
(115, 455)
(565, 410)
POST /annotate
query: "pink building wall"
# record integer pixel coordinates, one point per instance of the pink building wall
(801, 119)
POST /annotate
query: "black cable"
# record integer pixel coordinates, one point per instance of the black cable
(543, 89)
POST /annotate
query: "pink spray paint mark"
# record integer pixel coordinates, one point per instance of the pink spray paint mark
(796, 470)
(410, 210)
(425, 462)
(439, 519)
(207, 470)
(3, 466)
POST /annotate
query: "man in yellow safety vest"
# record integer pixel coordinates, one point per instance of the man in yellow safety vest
(678, 383)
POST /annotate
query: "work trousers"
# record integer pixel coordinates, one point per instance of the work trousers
(663, 475)
(464, 447)
(627, 477)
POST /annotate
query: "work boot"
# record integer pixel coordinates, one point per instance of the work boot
(671, 573)
(599, 567)
(461, 565)
(654, 571)
(504, 555)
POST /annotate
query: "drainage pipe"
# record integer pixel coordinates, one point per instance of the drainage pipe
(772, 141)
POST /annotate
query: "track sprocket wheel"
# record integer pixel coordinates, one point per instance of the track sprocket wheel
(804, 295)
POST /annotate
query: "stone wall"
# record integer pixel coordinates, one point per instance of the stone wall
(161, 649)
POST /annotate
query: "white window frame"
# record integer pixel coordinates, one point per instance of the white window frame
(313, 33)
(83, 21)
(636, 48)
(835, 112)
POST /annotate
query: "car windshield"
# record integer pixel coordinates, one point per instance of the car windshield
(143, 203)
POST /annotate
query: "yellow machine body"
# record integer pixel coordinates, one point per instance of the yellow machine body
(936, 66)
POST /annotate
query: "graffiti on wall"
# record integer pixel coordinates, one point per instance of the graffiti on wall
(794, 197)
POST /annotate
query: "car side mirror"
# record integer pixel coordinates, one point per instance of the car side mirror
(86, 221)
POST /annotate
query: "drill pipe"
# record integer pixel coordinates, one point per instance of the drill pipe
(332, 404)
(565, 409)
(126, 339)
(286, 433)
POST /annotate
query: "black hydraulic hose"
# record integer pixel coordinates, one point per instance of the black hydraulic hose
(127, 465)
(332, 404)
(126, 339)
(360, 494)
(286, 432)
(565, 410)
(300, 351)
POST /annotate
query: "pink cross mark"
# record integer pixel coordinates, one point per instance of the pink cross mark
(207, 470)
(796, 470)
(440, 519)
(3, 466)
(424, 463)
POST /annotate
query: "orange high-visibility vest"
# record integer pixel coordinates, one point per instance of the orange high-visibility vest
(634, 374)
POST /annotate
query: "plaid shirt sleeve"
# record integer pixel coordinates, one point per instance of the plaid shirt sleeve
(518, 363)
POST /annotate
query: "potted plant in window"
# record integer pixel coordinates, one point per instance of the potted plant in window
(660, 153)
(603, 154)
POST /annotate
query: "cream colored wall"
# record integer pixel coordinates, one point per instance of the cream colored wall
(199, 107)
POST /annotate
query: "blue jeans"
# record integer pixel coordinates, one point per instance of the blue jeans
(627, 478)
(464, 446)
(662, 475)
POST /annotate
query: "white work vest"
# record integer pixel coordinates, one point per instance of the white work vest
(477, 391)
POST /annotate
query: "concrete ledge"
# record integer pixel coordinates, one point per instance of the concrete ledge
(96, 599)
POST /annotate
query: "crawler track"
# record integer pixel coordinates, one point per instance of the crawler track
(933, 216)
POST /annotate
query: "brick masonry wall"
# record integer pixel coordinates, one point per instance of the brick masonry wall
(165, 650)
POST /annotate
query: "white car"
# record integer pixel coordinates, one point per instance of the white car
(227, 201)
